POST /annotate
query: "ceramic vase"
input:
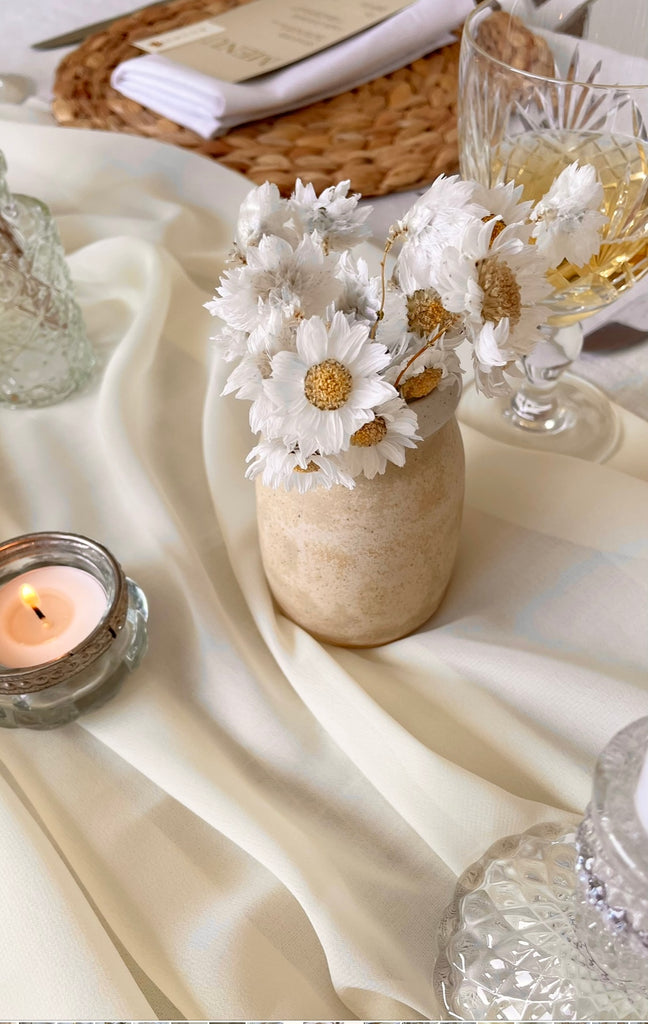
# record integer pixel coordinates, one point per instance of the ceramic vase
(362, 567)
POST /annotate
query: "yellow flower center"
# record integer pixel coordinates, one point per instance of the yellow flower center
(502, 295)
(421, 384)
(426, 315)
(328, 385)
(370, 433)
(312, 467)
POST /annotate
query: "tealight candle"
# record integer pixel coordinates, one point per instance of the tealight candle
(46, 612)
(72, 624)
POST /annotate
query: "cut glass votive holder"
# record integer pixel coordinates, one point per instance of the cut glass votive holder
(53, 692)
(553, 924)
(45, 353)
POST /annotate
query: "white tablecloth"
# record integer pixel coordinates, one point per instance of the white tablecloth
(259, 826)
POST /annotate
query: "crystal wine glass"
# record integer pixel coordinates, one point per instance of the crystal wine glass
(545, 83)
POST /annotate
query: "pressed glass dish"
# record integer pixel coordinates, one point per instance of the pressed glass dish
(553, 924)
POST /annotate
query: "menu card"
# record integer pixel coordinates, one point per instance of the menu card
(259, 37)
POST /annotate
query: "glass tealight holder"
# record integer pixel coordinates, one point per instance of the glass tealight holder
(553, 924)
(54, 692)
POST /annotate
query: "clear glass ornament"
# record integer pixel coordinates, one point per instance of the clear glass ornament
(44, 350)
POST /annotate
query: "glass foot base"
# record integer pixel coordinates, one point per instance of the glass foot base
(508, 945)
(586, 426)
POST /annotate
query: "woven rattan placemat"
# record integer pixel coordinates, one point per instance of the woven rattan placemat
(397, 132)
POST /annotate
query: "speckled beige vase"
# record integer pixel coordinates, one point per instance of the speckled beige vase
(361, 567)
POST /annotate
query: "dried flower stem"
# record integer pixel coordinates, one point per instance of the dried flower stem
(391, 238)
(428, 344)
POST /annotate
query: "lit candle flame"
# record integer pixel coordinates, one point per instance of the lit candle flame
(29, 596)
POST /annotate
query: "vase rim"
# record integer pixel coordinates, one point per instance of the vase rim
(434, 410)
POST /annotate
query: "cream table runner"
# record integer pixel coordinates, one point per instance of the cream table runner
(259, 826)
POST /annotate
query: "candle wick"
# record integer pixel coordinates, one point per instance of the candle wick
(37, 611)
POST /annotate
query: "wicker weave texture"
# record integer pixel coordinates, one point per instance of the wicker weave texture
(397, 132)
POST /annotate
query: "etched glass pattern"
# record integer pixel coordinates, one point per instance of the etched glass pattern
(551, 925)
(613, 863)
(44, 350)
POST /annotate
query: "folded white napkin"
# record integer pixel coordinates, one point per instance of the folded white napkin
(210, 106)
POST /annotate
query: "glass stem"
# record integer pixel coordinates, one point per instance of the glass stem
(537, 406)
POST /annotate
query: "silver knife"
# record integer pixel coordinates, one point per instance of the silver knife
(77, 35)
(613, 337)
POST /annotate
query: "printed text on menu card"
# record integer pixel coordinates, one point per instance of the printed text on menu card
(259, 37)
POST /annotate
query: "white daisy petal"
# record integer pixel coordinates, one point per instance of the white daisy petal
(490, 345)
(314, 343)
(246, 380)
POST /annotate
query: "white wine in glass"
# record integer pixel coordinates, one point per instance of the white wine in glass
(533, 100)
(534, 159)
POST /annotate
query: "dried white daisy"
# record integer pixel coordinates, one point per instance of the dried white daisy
(246, 380)
(246, 383)
(264, 212)
(424, 372)
(299, 281)
(360, 292)
(230, 343)
(494, 365)
(382, 439)
(494, 280)
(334, 214)
(326, 390)
(568, 218)
(281, 464)
(275, 333)
(428, 318)
(504, 204)
(392, 331)
(445, 202)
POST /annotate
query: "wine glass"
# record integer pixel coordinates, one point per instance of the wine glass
(544, 83)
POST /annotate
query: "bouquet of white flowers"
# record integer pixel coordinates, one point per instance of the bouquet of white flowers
(333, 359)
